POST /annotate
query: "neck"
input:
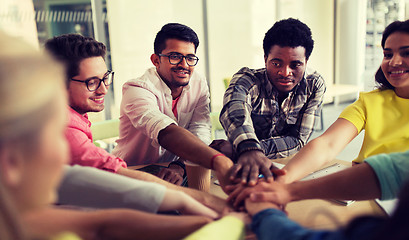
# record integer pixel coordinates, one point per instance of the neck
(82, 113)
(176, 92)
(281, 97)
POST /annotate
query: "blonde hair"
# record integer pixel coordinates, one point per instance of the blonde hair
(29, 82)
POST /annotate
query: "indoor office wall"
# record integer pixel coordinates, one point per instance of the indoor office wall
(319, 16)
(133, 25)
(17, 19)
(236, 30)
(350, 48)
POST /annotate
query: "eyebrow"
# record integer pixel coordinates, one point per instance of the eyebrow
(189, 54)
(280, 60)
(401, 48)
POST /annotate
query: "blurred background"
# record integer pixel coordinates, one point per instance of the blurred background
(347, 35)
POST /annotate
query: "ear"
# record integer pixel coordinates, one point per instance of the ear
(265, 59)
(155, 60)
(11, 166)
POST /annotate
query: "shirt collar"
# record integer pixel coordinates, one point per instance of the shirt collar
(166, 87)
(82, 117)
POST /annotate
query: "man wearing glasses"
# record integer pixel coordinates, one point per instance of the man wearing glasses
(88, 80)
(165, 112)
(87, 83)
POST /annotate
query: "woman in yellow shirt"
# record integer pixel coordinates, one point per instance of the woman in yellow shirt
(382, 113)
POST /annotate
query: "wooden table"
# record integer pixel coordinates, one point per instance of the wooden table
(322, 214)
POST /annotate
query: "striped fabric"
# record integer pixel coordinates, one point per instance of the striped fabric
(251, 114)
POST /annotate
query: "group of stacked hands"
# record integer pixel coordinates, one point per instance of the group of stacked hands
(267, 114)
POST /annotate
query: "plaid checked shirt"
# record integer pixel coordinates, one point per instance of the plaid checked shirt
(252, 118)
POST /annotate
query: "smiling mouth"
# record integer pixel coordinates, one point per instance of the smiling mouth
(181, 71)
(398, 72)
(98, 100)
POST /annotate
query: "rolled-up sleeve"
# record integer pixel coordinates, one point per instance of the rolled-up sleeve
(85, 153)
(392, 170)
(143, 109)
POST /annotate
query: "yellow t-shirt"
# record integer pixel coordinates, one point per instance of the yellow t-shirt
(385, 118)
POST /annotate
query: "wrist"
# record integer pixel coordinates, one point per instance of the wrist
(213, 159)
(222, 164)
(248, 145)
(292, 190)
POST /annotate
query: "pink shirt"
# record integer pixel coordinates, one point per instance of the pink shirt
(83, 150)
(174, 106)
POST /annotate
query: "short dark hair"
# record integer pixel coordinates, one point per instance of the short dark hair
(397, 26)
(289, 33)
(72, 48)
(174, 31)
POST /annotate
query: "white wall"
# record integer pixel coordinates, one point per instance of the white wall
(319, 16)
(350, 48)
(17, 19)
(236, 32)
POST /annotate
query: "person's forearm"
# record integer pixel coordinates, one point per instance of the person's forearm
(177, 200)
(187, 146)
(356, 183)
(109, 224)
(144, 176)
(310, 158)
(320, 150)
(207, 199)
(124, 224)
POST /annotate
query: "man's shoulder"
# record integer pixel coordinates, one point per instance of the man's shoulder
(197, 79)
(313, 75)
(149, 80)
(314, 80)
(247, 75)
(76, 120)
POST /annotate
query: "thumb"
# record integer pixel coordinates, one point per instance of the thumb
(256, 197)
(278, 172)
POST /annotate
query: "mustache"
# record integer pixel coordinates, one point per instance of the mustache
(286, 79)
(181, 69)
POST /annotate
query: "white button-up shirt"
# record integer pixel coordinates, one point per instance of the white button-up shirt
(146, 109)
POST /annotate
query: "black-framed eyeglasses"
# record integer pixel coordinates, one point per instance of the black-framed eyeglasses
(94, 83)
(176, 58)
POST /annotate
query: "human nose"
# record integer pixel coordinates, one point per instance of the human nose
(183, 62)
(102, 89)
(285, 71)
(396, 60)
